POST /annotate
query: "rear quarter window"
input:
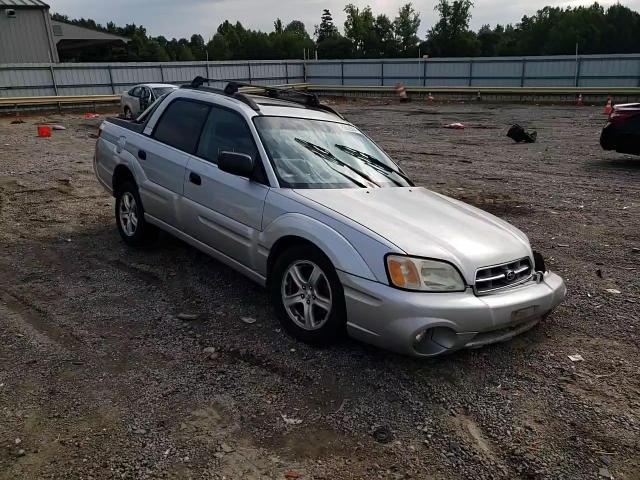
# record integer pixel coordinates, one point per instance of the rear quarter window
(181, 123)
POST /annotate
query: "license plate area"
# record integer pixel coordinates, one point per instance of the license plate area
(524, 313)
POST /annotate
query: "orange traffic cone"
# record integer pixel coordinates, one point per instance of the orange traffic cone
(401, 92)
(608, 108)
(579, 102)
(430, 97)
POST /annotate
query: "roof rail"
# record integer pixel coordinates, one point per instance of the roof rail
(198, 82)
(232, 89)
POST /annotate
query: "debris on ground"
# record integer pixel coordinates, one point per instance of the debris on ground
(17, 121)
(455, 126)
(604, 473)
(211, 353)
(188, 317)
(576, 358)
(91, 115)
(291, 420)
(291, 474)
(518, 134)
(382, 434)
(613, 291)
(58, 127)
(226, 448)
(44, 131)
(248, 320)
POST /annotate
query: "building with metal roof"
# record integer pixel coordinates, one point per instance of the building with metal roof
(29, 35)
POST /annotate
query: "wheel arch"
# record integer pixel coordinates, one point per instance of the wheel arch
(121, 174)
(294, 228)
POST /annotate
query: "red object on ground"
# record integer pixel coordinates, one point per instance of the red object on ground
(44, 131)
(91, 115)
(579, 102)
(608, 107)
(430, 97)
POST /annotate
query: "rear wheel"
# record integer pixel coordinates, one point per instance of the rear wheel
(133, 228)
(308, 295)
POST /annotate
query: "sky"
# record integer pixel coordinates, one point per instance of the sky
(172, 18)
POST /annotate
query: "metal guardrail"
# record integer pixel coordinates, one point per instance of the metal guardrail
(58, 100)
(17, 103)
(488, 90)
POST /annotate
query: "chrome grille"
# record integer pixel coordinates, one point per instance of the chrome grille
(503, 276)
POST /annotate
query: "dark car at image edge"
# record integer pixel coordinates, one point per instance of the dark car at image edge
(622, 131)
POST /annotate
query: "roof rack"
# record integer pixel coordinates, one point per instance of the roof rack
(232, 89)
(310, 100)
(198, 82)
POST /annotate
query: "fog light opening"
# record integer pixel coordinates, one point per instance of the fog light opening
(419, 337)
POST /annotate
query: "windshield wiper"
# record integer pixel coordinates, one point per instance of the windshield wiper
(373, 161)
(327, 155)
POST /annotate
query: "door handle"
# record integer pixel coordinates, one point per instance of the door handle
(142, 155)
(195, 178)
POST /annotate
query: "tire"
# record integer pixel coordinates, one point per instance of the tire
(315, 288)
(133, 228)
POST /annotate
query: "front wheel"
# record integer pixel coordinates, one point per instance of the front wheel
(133, 228)
(308, 295)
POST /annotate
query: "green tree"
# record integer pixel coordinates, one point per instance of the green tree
(406, 26)
(359, 29)
(218, 48)
(326, 29)
(451, 36)
(336, 46)
(277, 26)
(198, 47)
(386, 44)
(297, 28)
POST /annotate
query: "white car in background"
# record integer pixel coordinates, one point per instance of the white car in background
(138, 99)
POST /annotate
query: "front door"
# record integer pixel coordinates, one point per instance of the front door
(223, 210)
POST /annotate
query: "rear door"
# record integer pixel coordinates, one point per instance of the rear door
(164, 156)
(222, 210)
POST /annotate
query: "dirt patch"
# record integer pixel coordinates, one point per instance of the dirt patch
(100, 379)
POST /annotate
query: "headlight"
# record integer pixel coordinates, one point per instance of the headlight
(424, 275)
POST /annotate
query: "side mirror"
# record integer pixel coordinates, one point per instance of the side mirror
(235, 163)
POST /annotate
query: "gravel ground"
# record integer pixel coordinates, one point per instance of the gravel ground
(100, 379)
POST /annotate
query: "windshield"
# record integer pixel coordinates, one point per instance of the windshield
(160, 91)
(318, 154)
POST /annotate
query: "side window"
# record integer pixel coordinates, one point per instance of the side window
(135, 92)
(226, 130)
(181, 124)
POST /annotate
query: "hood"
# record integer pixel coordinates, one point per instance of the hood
(427, 224)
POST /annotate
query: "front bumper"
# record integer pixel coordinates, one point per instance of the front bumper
(392, 318)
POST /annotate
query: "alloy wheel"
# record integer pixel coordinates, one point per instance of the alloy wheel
(306, 295)
(128, 214)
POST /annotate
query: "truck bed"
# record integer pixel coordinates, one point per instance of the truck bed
(128, 124)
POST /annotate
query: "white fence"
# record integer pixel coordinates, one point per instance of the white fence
(554, 71)
(31, 79)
